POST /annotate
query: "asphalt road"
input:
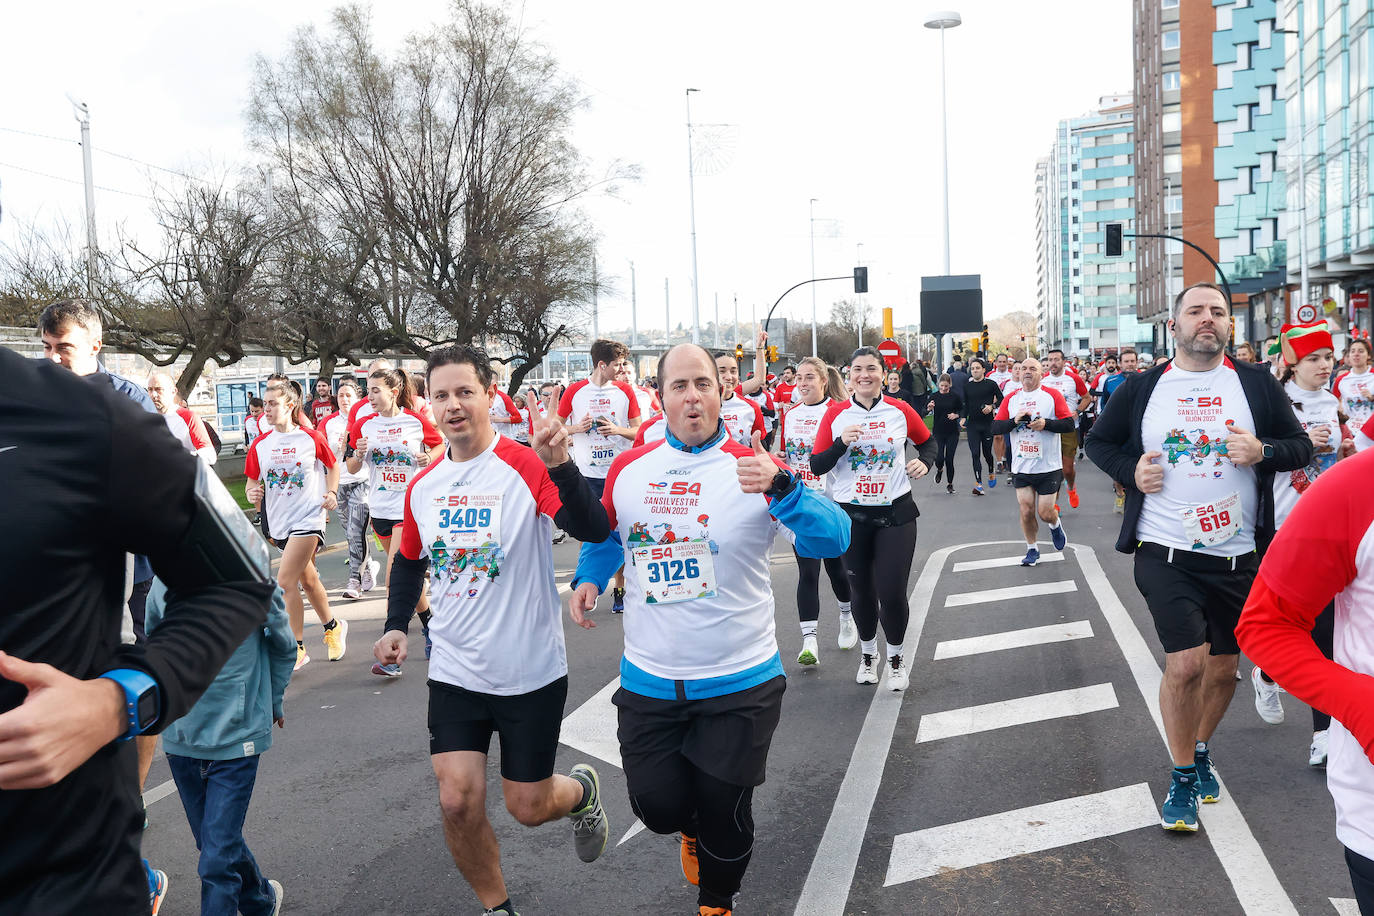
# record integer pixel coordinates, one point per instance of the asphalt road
(1020, 773)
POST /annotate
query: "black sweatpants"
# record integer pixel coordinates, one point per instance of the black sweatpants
(879, 564)
(946, 447)
(980, 438)
(1362, 879)
(809, 584)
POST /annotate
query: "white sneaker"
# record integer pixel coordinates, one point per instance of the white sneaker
(868, 669)
(279, 895)
(369, 576)
(849, 632)
(809, 654)
(898, 676)
(353, 589)
(1267, 702)
(1316, 754)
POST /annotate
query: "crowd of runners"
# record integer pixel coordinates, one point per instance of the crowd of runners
(678, 484)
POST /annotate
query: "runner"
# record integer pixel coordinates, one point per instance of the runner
(651, 430)
(500, 663)
(816, 391)
(506, 418)
(741, 416)
(296, 467)
(783, 392)
(1129, 365)
(1321, 556)
(253, 424)
(1001, 375)
(323, 405)
(1034, 418)
(981, 397)
(873, 485)
(1196, 444)
(393, 441)
(701, 686)
(187, 428)
(1355, 386)
(604, 419)
(521, 431)
(1075, 394)
(353, 505)
(364, 407)
(946, 408)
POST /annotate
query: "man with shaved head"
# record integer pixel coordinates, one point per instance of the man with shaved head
(185, 426)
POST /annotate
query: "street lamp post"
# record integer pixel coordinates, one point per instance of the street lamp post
(1302, 172)
(813, 276)
(942, 20)
(692, 195)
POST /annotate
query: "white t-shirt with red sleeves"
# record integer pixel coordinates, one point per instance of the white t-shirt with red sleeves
(188, 429)
(1356, 394)
(1067, 384)
(1318, 408)
(485, 526)
(797, 439)
(393, 443)
(872, 471)
(1001, 378)
(1010, 387)
(592, 451)
(764, 399)
(1208, 505)
(293, 468)
(742, 417)
(651, 430)
(1034, 451)
(334, 428)
(507, 419)
(360, 409)
(648, 402)
(255, 426)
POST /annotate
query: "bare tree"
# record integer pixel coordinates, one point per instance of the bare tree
(38, 268)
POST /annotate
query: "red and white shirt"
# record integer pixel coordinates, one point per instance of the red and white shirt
(392, 446)
(742, 417)
(1010, 387)
(293, 468)
(1356, 394)
(321, 408)
(873, 469)
(764, 399)
(651, 430)
(485, 525)
(1070, 386)
(1001, 378)
(592, 451)
(648, 402)
(360, 409)
(334, 428)
(188, 429)
(1364, 436)
(1208, 505)
(797, 439)
(1319, 408)
(782, 394)
(507, 419)
(255, 426)
(1034, 452)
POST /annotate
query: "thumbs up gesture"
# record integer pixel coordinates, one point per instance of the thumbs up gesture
(756, 471)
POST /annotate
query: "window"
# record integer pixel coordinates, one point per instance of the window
(1173, 163)
(1170, 42)
(1173, 203)
(1172, 122)
(1171, 80)
(1169, 4)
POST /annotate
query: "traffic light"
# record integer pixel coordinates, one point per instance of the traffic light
(985, 348)
(861, 279)
(772, 353)
(1114, 246)
(739, 352)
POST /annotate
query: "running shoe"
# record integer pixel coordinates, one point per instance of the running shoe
(336, 640)
(429, 643)
(704, 910)
(1032, 557)
(939, 474)
(354, 588)
(617, 601)
(1081, 454)
(868, 670)
(949, 488)
(809, 654)
(1058, 537)
(849, 632)
(277, 895)
(1119, 507)
(369, 575)
(501, 911)
(1180, 805)
(391, 670)
(302, 658)
(898, 677)
(559, 535)
(992, 481)
(1316, 754)
(1208, 788)
(590, 827)
(978, 491)
(1267, 702)
(157, 887)
(1073, 498)
(687, 854)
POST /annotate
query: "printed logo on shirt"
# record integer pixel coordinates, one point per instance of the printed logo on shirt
(1195, 446)
(645, 533)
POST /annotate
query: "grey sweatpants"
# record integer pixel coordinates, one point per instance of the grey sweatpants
(353, 513)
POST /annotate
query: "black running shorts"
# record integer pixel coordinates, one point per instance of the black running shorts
(384, 526)
(528, 723)
(726, 737)
(1045, 483)
(280, 543)
(1195, 599)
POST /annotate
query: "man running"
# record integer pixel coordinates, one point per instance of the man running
(701, 679)
(187, 428)
(1001, 375)
(478, 522)
(1034, 418)
(1075, 394)
(1129, 365)
(1196, 443)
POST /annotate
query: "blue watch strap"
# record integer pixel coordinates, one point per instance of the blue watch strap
(136, 686)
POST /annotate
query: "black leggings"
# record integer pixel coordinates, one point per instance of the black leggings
(1362, 879)
(980, 437)
(809, 584)
(946, 447)
(718, 814)
(879, 563)
(1324, 635)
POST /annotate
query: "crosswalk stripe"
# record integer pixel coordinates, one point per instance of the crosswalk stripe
(1020, 711)
(938, 850)
(962, 599)
(1014, 639)
(159, 792)
(1346, 906)
(998, 562)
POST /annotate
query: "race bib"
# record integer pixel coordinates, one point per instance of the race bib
(603, 452)
(871, 459)
(1028, 447)
(470, 520)
(675, 572)
(1210, 524)
(808, 479)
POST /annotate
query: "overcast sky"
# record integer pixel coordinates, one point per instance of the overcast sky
(838, 102)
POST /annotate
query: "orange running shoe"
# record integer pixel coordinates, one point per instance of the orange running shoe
(690, 865)
(1073, 498)
(712, 911)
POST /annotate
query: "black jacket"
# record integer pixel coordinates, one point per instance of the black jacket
(1114, 443)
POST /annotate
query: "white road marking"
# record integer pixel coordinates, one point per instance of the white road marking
(1252, 877)
(971, 565)
(938, 850)
(1021, 711)
(590, 728)
(1015, 591)
(1014, 639)
(159, 792)
(1346, 906)
(635, 829)
(832, 870)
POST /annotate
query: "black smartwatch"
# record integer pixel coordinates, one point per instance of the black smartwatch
(782, 485)
(1266, 451)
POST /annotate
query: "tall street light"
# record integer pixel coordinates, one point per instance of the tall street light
(942, 20)
(813, 276)
(692, 195)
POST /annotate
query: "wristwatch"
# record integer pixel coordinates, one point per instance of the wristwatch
(781, 485)
(141, 699)
(1266, 450)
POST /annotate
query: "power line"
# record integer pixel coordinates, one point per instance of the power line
(20, 168)
(107, 152)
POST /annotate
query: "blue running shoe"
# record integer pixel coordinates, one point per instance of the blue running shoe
(392, 670)
(1032, 557)
(617, 601)
(157, 887)
(1058, 537)
(992, 481)
(1208, 788)
(429, 643)
(1180, 805)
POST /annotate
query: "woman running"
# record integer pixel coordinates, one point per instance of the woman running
(818, 386)
(1355, 386)
(948, 407)
(981, 397)
(861, 444)
(353, 507)
(393, 443)
(296, 467)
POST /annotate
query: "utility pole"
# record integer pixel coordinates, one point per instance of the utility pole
(717, 338)
(83, 117)
(813, 276)
(692, 194)
(736, 328)
(596, 319)
(634, 312)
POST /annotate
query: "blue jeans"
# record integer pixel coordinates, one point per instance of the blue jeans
(215, 794)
